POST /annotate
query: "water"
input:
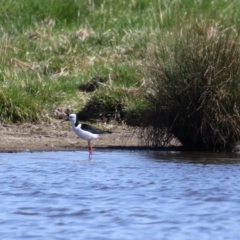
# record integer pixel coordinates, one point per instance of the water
(119, 195)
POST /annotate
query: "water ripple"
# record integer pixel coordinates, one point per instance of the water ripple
(120, 195)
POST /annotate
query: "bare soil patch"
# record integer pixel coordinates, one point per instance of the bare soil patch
(59, 136)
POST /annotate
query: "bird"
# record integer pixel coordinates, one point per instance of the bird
(85, 131)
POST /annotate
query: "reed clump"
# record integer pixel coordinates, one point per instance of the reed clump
(195, 92)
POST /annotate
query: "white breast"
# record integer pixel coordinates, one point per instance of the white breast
(84, 134)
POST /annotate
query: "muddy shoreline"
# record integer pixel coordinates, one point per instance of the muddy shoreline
(58, 136)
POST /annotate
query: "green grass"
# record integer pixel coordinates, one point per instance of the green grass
(43, 59)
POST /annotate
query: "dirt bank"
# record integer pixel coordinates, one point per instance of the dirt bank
(59, 136)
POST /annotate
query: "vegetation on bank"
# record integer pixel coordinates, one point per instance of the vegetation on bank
(171, 67)
(196, 95)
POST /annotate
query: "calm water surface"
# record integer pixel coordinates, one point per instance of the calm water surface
(119, 195)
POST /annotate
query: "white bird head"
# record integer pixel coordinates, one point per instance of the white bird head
(73, 118)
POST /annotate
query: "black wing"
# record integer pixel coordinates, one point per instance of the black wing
(92, 129)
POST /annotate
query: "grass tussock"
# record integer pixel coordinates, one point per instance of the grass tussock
(195, 93)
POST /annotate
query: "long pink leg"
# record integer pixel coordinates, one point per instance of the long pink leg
(90, 149)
